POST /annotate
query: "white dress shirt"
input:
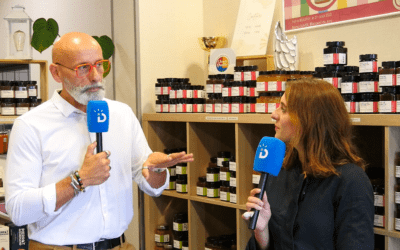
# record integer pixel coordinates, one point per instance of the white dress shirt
(46, 145)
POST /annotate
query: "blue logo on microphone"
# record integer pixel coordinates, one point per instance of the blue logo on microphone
(97, 116)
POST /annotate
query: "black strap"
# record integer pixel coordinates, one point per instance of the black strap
(105, 244)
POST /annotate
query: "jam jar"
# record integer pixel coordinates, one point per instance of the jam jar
(162, 234)
(350, 84)
(387, 100)
(387, 74)
(369, 103)
(369, 82)
(351, 101)
(21, 89)
(7, 89)
(8, 106)
(202, 186)
(21, 106)
(368, 63)
(335, 54)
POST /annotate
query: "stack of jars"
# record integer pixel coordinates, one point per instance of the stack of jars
(177, 95)
(18, 97)
(223, 242)
(376, 175)
(163, 237)
(181, 231)
(173, 173)
(270, 87)
(389, 97)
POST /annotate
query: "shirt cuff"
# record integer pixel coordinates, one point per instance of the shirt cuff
(49, 199)
(156, 191)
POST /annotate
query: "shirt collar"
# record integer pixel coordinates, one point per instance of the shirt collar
(65, 107)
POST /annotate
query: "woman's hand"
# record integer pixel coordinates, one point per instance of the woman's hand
(263, 206)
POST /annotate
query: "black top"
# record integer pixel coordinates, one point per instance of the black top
(332, 213)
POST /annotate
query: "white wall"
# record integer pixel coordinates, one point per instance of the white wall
(89, 16)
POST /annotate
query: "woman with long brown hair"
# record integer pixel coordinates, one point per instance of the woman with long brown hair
(322, 198)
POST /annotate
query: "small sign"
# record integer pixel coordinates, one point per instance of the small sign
(222, 61)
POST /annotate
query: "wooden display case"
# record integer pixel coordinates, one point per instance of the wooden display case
(43, 82)
(377, 137)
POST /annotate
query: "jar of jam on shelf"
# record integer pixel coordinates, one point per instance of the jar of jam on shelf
(162, 234)
(232, 163)
(251, 88)
(251, 104)
(181, 183)
(232, 192)
(32, 88)
(213, 173)
(335, 54)
(387, 74)
(379, 202)
(227, 105)
(210, 84)
(224, 174)
(398, 72)
(185, 245)
(198, 92)
(262, 81)
(198, 105)
(218, 83)
(239, 89)
(213, 189)
(387, 100)
(8, 106)
(351, 70)
(352, 103)
(275, 99)
(232, 180)
(202, 186)
(224, 191)
(181, 168)
(7, 89)
(21, 106)
(350, 84)
(368, 63)
(250, 73)
(239, 105)
(277, 82)
(239, 73)
(369, 103)
(369, 82)
(262, 102)
(180, 224)
(223, 156)
(21, 89)
(227, 89)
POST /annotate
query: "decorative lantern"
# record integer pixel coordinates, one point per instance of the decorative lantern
(19, 34)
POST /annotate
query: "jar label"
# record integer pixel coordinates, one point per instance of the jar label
(226, 92)
(179, 108)
(232, 166)
(7, 94)
(237, 76)
(165, 108)
(173, 94)
(210, 108)
(201, 191)
(212, 177)
(262, 86)
(248, 75)
(387, 80)
(239, 91)
(172, 171)
(233, 198)
(335, 58)
(379, 221)
(181, 170)
(256, 178)
(187, 108)
(7, 111)
(262, 107)
(251, 92)
(227, 108)
(368, 107)
(368, 67)
(387, 107)
(397, 78)
(335, 81)
(21, 94)
(276, 86)
(379, 200)
(162, 238)
(272, 107)
(210, 88)
(198, 94)
(181, 188)
(171, 185)
(225, 176)
(165, 91)
(251, 108)
(238, 108)
(217, 88)
(21, 110)
(172, 108)
(397, 174)
(188, 93)
(224, 196)
(185, 248)
(158, 91)
(352, 107)
(368, 86)
(180, 227)
(212, 192)
(232, 182)
(397, 197)
(220, 160)
(198, 108)
(349, 87)
(178, 244)
(218, 108)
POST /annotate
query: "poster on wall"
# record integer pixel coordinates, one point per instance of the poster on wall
(303, 14)
(253, 25)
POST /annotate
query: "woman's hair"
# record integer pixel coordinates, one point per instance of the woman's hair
(324, 131)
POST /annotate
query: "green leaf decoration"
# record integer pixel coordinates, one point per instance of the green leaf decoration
(44, 34)
(106, 45)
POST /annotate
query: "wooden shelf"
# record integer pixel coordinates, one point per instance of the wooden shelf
(376, 135)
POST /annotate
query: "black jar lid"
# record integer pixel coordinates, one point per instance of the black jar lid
(182, 177)
(337, 68)
(198, 101)
(21, 100)
(8, 100)
(171, 80)
(160, 80)
(227, 99)
(280, 72)
(264, 73)
(181, 217)
(264, 93)
(238, 68)
(352, 69)
(350, 78)
(351, 97)
(184, 80)
(226, 77)
(371, 97)
(202, 179)
(225, 183)
(369, 77)
(225, 164)
(213, 170)
(198, 87)
(233, 174)
(335, 44)
(251, 84)
(9, 83)
(163, 227)
(320, 69)
(389, 64)
(238, 99)
(224, 154)
(389, 89)
(253, 68)
(213, 160)
(232, 159)
(214, 184)
(32, 82)
(251, 99)
(368, 57)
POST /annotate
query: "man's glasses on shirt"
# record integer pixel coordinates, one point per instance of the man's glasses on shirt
(83, 70)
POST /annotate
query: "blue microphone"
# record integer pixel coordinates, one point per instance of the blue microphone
(98, 120)
(268, 160)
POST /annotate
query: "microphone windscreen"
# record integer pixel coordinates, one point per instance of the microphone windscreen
(97, 116)
(269, 156)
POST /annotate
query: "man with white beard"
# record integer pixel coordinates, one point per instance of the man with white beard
(68, 194)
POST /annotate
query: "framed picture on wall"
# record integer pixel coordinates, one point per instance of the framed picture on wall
(304, 14)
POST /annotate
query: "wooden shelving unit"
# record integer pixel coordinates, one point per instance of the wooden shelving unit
(377, 137)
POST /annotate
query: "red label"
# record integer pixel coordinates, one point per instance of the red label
(195, 94)
(352, 107)
(252, 92)
(394, 80)
(335, 82)
(253, 75)
(252, 107)
(335, 58)
(169, 89)
(394, 106)
(355, 87)
(184, 93)
(242, 76)
(184, 108)
(278, 86)
(241, 107)
(374, 66)
(375, 107)
(241, 91)
(376, 85)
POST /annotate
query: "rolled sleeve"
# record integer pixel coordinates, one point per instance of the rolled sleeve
(49, 199)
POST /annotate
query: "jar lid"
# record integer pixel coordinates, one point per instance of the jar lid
(8, 100)
(351, 68)
(228, 84)
(369, 77)
(171, 80)
(368, 57)
(251, 84)
(181, 217)
(280, 72)
(163, 227)
(202, 178)
(212, 76)
(8, 83)
(227, 99)
(160, 80)
(389, 64)
(213, 160)
(224, 154)
(320, 69)
(182, 164)
(182, 177)
(253, 68)
(21, 100)
(350, 97)
(199, 101)
(21, 83)
(225, 183)
(350, 78)
(232, 159)
(264, 93)
(184, 80)
(263, 73)
(238, 68)
(225, 163)
(332, 68)
(251, 99)
(33, 82)
(226, 76)
(335, 44)
(389, 89)
(168, 246)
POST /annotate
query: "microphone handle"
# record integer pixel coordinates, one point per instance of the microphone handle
(261, 185)
(99, 139)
